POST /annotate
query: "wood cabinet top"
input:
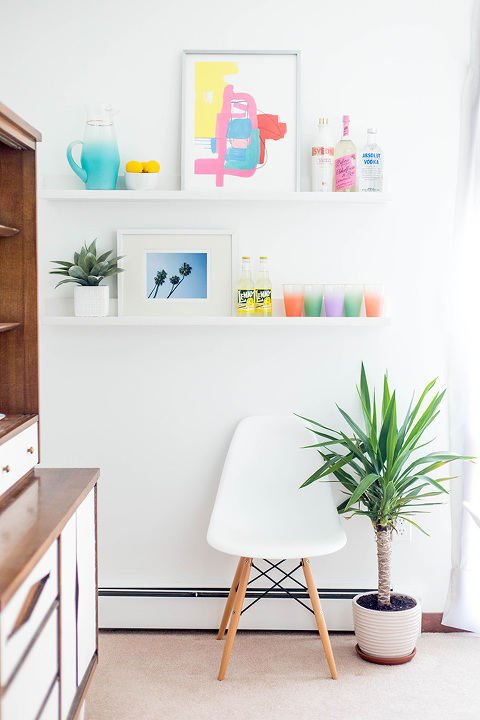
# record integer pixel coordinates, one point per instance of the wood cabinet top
(15, 131)
(11, 425)
(33, 517)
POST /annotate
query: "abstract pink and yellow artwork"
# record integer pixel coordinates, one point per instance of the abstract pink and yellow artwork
(240, 121)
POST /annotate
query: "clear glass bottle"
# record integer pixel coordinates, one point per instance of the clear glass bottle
(370, 165)
(263, 290)
(345, 161)
(245, 291)
(323, 165)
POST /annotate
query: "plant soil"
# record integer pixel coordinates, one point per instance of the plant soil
(397, 602)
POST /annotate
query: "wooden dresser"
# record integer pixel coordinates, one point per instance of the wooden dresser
(48, 518)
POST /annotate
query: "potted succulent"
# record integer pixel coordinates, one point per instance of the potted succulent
(385, 483)
(87, 271)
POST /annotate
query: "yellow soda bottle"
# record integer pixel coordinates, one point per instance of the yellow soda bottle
(263, 290)
(245, 291)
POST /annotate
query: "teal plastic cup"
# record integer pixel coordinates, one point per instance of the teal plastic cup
(352, 302)
(312, 300)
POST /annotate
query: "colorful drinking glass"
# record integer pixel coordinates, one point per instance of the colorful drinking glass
(353, 300)
(312, 300)
(293, 299)
(333, 299)
(374, 295)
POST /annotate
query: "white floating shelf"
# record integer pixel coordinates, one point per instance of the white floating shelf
(192, 196)
(224, 320)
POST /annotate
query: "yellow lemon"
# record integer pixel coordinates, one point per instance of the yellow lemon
(134, 166)
(151, 166)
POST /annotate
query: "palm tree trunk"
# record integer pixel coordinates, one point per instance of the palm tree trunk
(384, 550)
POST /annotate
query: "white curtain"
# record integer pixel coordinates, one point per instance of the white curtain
(463, 602)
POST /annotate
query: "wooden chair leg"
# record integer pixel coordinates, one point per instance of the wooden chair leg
(237, 608)
(231, 598)
(317, 609)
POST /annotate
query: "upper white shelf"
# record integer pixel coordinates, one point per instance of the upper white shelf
(193, 196)
(217, 320)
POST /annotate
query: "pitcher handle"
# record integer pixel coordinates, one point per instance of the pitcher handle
(75, 167)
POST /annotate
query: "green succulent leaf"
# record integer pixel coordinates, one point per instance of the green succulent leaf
(78, 272)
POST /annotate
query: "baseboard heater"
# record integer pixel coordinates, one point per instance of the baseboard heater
(202, 608)
(324, 593)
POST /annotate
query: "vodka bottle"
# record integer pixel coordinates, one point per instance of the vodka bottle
(370, 165)
(245, 291)
(263, 291)
(323, 159)
(345, 161)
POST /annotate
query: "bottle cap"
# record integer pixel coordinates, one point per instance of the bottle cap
(371, 130)
(346, 119)
(263, 257)
(246, 257)
(323, 121)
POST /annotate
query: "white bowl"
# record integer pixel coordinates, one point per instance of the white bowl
(142, 181)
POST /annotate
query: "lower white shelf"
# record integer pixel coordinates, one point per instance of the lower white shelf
(223, 320)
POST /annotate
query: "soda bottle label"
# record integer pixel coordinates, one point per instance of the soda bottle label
(245, 301)
(263, 300)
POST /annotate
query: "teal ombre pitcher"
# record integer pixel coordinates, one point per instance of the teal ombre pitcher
(100, 159)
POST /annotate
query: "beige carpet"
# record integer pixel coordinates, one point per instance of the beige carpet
(170, 675)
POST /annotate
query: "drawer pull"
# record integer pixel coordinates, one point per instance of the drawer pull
(29, 605)
(6, 468)
(30, 450)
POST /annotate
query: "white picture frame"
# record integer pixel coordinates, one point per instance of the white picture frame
(240, 128)
(176, 272)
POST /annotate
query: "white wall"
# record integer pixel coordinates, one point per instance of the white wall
(155, 408)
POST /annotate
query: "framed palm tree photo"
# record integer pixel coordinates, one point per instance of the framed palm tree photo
(176, 272)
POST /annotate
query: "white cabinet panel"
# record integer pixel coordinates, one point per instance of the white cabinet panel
(87, 591)
(50, 711)
(38, 591)
(36, 674)
(68, 579)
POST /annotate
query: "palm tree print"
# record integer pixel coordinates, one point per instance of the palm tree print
(175, 281)
(159, 279)
(184, 271)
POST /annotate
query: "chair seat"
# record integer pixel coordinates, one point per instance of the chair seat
(258, 543)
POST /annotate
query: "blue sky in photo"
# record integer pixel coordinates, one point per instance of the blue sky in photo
(195, 285)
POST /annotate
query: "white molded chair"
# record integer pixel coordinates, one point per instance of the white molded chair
(261, 512)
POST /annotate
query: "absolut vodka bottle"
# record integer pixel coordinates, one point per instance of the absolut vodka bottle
(370, 165)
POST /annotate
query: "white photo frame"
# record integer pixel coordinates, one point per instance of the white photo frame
(240, 120)
(176, 272)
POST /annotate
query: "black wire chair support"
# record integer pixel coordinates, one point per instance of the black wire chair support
(276, 586)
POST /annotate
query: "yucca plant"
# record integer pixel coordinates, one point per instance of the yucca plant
(87, 268)
(376, 469)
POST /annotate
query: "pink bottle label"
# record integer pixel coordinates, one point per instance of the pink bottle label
(345, 172)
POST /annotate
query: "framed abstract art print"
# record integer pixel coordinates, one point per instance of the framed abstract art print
(240, 124)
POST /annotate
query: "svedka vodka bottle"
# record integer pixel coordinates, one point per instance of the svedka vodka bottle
(263, 291)
(345, 161)
(323, 164)
(245, 291)
(370, 165)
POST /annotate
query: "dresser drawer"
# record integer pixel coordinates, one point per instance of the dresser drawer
(24, 613)
(18, 456)
(24, 696)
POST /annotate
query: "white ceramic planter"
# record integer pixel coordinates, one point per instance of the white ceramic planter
(91, 301)
(386, 634)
